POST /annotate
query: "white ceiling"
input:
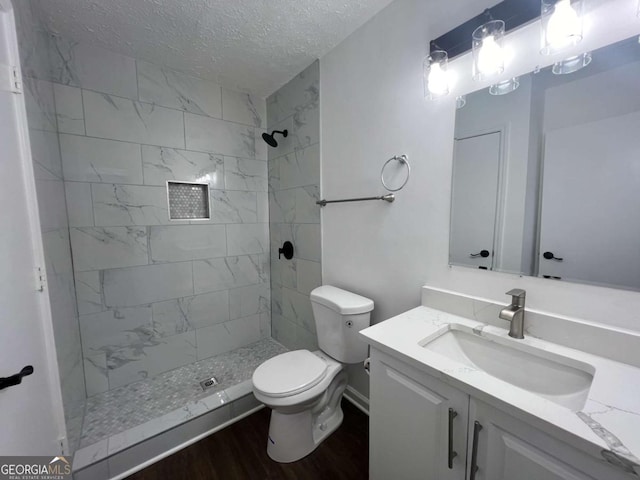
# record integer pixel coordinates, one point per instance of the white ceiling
(249, 45)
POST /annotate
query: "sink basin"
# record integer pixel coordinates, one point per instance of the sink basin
(559, 379)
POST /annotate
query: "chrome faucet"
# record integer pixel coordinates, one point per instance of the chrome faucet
(514, 313)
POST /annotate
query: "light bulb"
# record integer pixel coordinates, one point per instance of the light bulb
(438, 81)
(490, 57)
(564, 27)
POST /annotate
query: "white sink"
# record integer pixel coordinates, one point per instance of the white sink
(562, 380)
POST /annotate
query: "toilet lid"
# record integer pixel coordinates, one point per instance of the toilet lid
(289, 373)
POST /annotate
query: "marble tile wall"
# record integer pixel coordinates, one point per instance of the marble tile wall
(44, 123)
(294, 186)
(155, 294)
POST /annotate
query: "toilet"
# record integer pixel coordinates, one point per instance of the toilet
(303, 388)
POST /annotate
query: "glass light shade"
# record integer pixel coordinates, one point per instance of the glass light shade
(571, 64)
(562, 23)
(505, 86)
(488, 52)
(436, 76)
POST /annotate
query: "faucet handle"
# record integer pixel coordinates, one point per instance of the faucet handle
(517, 292)
(517, 297)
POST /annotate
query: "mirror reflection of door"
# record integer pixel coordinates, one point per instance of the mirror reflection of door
(476, 167)
(594, 168)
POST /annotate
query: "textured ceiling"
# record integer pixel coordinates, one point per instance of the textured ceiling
(249, 45)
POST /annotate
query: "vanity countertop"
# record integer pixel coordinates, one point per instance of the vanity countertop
(608, 426)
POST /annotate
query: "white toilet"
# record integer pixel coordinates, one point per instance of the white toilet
(304, 388)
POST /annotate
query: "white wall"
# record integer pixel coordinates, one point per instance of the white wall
(372, 107)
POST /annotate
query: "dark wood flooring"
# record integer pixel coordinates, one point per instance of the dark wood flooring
(240, 452)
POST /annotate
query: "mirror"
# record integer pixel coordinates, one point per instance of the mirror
(546, 178)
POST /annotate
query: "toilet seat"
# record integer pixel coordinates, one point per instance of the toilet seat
(289, 374)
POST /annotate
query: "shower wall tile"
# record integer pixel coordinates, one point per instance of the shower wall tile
(306, 208)
(45, 153)
(245, 174)
(187, 242)
(116, 118)
(93, 68)
(224, 273)
(300, 91)
(300, 168)
(126, 287)
(96, 374)
(121, 205)
(262, 199)
(262, 149)
(190, 313)
(51, 204)
(108, 331)
(227, 336)
(69, 109)
(243, 108)
(149, 282)
(88, 159)
(207, 134)
(96, 248)
(294, 188)
(308, 276)
(247, 238)
(297, 308)
(176, 90)
(233, 206)
(79, 204)
(89, 292)
(40, 104)
(161, 164)
(308, 241)
(150, 358)
(251, 300)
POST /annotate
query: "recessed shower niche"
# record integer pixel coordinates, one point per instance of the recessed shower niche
(188, 201)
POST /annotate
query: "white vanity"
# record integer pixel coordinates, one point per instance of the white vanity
(454, 397)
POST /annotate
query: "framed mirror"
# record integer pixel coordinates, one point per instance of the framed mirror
(546, 176)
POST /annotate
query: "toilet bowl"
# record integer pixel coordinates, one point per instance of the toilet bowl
(304, 388)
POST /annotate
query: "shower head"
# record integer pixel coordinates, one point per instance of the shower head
(272, 141)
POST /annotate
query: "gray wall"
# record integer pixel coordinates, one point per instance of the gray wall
(294, 184)
(34, 45)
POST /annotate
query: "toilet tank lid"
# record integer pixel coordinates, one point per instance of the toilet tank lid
(341, 301)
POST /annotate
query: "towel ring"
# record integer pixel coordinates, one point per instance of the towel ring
(403, 161)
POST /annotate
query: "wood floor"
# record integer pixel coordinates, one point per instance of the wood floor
(239, 452)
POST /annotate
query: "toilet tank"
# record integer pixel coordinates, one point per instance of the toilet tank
(339, 316)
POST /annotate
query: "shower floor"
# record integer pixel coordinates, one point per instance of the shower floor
(172, 397)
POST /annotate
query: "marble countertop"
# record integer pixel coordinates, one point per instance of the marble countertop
(608, 426)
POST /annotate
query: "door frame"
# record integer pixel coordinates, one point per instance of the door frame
(7, 16)
(498, 229)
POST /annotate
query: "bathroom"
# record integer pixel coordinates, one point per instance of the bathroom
(130, 105)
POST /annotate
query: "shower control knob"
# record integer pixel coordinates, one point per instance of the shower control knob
(286, 250)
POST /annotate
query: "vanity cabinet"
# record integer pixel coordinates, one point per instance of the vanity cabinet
(418, 423)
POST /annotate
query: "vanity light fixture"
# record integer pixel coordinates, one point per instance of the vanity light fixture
(571, 64)
(561, 25)
(488, 52)
(504, 87)
(436, 76)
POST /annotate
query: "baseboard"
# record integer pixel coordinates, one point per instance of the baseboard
(357, 399)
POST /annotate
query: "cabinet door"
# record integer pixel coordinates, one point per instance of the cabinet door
(509, 449)
(409, 424)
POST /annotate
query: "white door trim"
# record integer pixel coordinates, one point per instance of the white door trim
(53, 375)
